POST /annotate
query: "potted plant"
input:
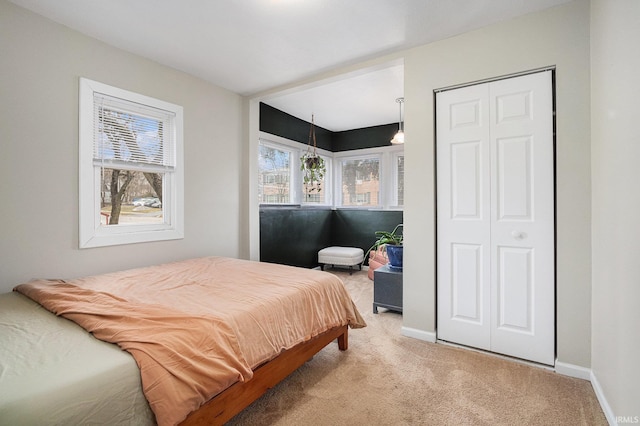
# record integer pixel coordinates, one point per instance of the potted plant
(393, 243)
(312, 165)
(313, 170)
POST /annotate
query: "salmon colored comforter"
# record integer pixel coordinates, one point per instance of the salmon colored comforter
(198, 326)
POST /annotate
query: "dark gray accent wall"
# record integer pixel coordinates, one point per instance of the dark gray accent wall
(357, 228)
(280, 123)
(367, 137)
(294, 235)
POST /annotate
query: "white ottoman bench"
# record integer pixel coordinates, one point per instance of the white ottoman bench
(341, 256)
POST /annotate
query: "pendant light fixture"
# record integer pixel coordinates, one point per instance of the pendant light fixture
(398, 138)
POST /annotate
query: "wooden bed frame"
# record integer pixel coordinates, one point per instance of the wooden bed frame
(236, 398)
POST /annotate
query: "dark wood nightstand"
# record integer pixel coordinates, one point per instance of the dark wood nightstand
(387, 289)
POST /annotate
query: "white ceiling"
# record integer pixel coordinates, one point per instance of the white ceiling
(249, 46)
(350, 102)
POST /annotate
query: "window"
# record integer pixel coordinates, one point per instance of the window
(279, 173)
(131, 174)
(361, 182)
(399, 175)
(367, 178)
(370, 178)
(275, 177)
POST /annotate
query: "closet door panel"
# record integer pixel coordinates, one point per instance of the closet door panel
(515, 184)
(515, 287)
(467, 283)
(522, 218)
(466, 192)
(463, 211)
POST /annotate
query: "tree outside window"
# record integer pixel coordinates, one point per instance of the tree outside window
(274, 185)
(361, 182)
(129, 196)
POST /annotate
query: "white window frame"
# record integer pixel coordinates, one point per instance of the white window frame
(292, 155)
(388, 198)
(394, 205)
(91, 232)
(297, 150)
(387, 174)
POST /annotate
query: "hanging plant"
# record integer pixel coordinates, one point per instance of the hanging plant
(312, 165)
(313, 169)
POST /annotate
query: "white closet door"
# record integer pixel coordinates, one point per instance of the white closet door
(522, 212)
(514, 261)
(463, 214)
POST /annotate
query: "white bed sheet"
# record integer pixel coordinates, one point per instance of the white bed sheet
(52, 372)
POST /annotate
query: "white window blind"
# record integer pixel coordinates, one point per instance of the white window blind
(133, 136)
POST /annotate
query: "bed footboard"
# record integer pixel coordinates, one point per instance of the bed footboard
(236, 398)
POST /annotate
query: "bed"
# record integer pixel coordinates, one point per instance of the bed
(203, 339)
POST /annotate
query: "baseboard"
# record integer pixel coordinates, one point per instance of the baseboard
(427, 336)
(587, 374)
(604, 404)
(573, 370)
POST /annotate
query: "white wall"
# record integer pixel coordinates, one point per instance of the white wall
(615, 88)
(41, 63)
(559, 37)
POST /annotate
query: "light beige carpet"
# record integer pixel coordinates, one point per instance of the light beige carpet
(386, 378)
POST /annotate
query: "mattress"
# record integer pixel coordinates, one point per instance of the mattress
(193, 327)
(48, 361)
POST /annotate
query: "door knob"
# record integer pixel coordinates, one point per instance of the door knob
(519, 235)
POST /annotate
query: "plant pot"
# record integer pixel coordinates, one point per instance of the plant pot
(312, 162)
(394, 253)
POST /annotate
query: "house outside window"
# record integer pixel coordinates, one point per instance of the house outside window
(360, 182)
(131, 167)
(275, 177)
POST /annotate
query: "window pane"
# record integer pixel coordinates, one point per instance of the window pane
(314, 192)
(274, 176)
(138, 192)
(400, 179)
(127, 137)
(361, 182)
